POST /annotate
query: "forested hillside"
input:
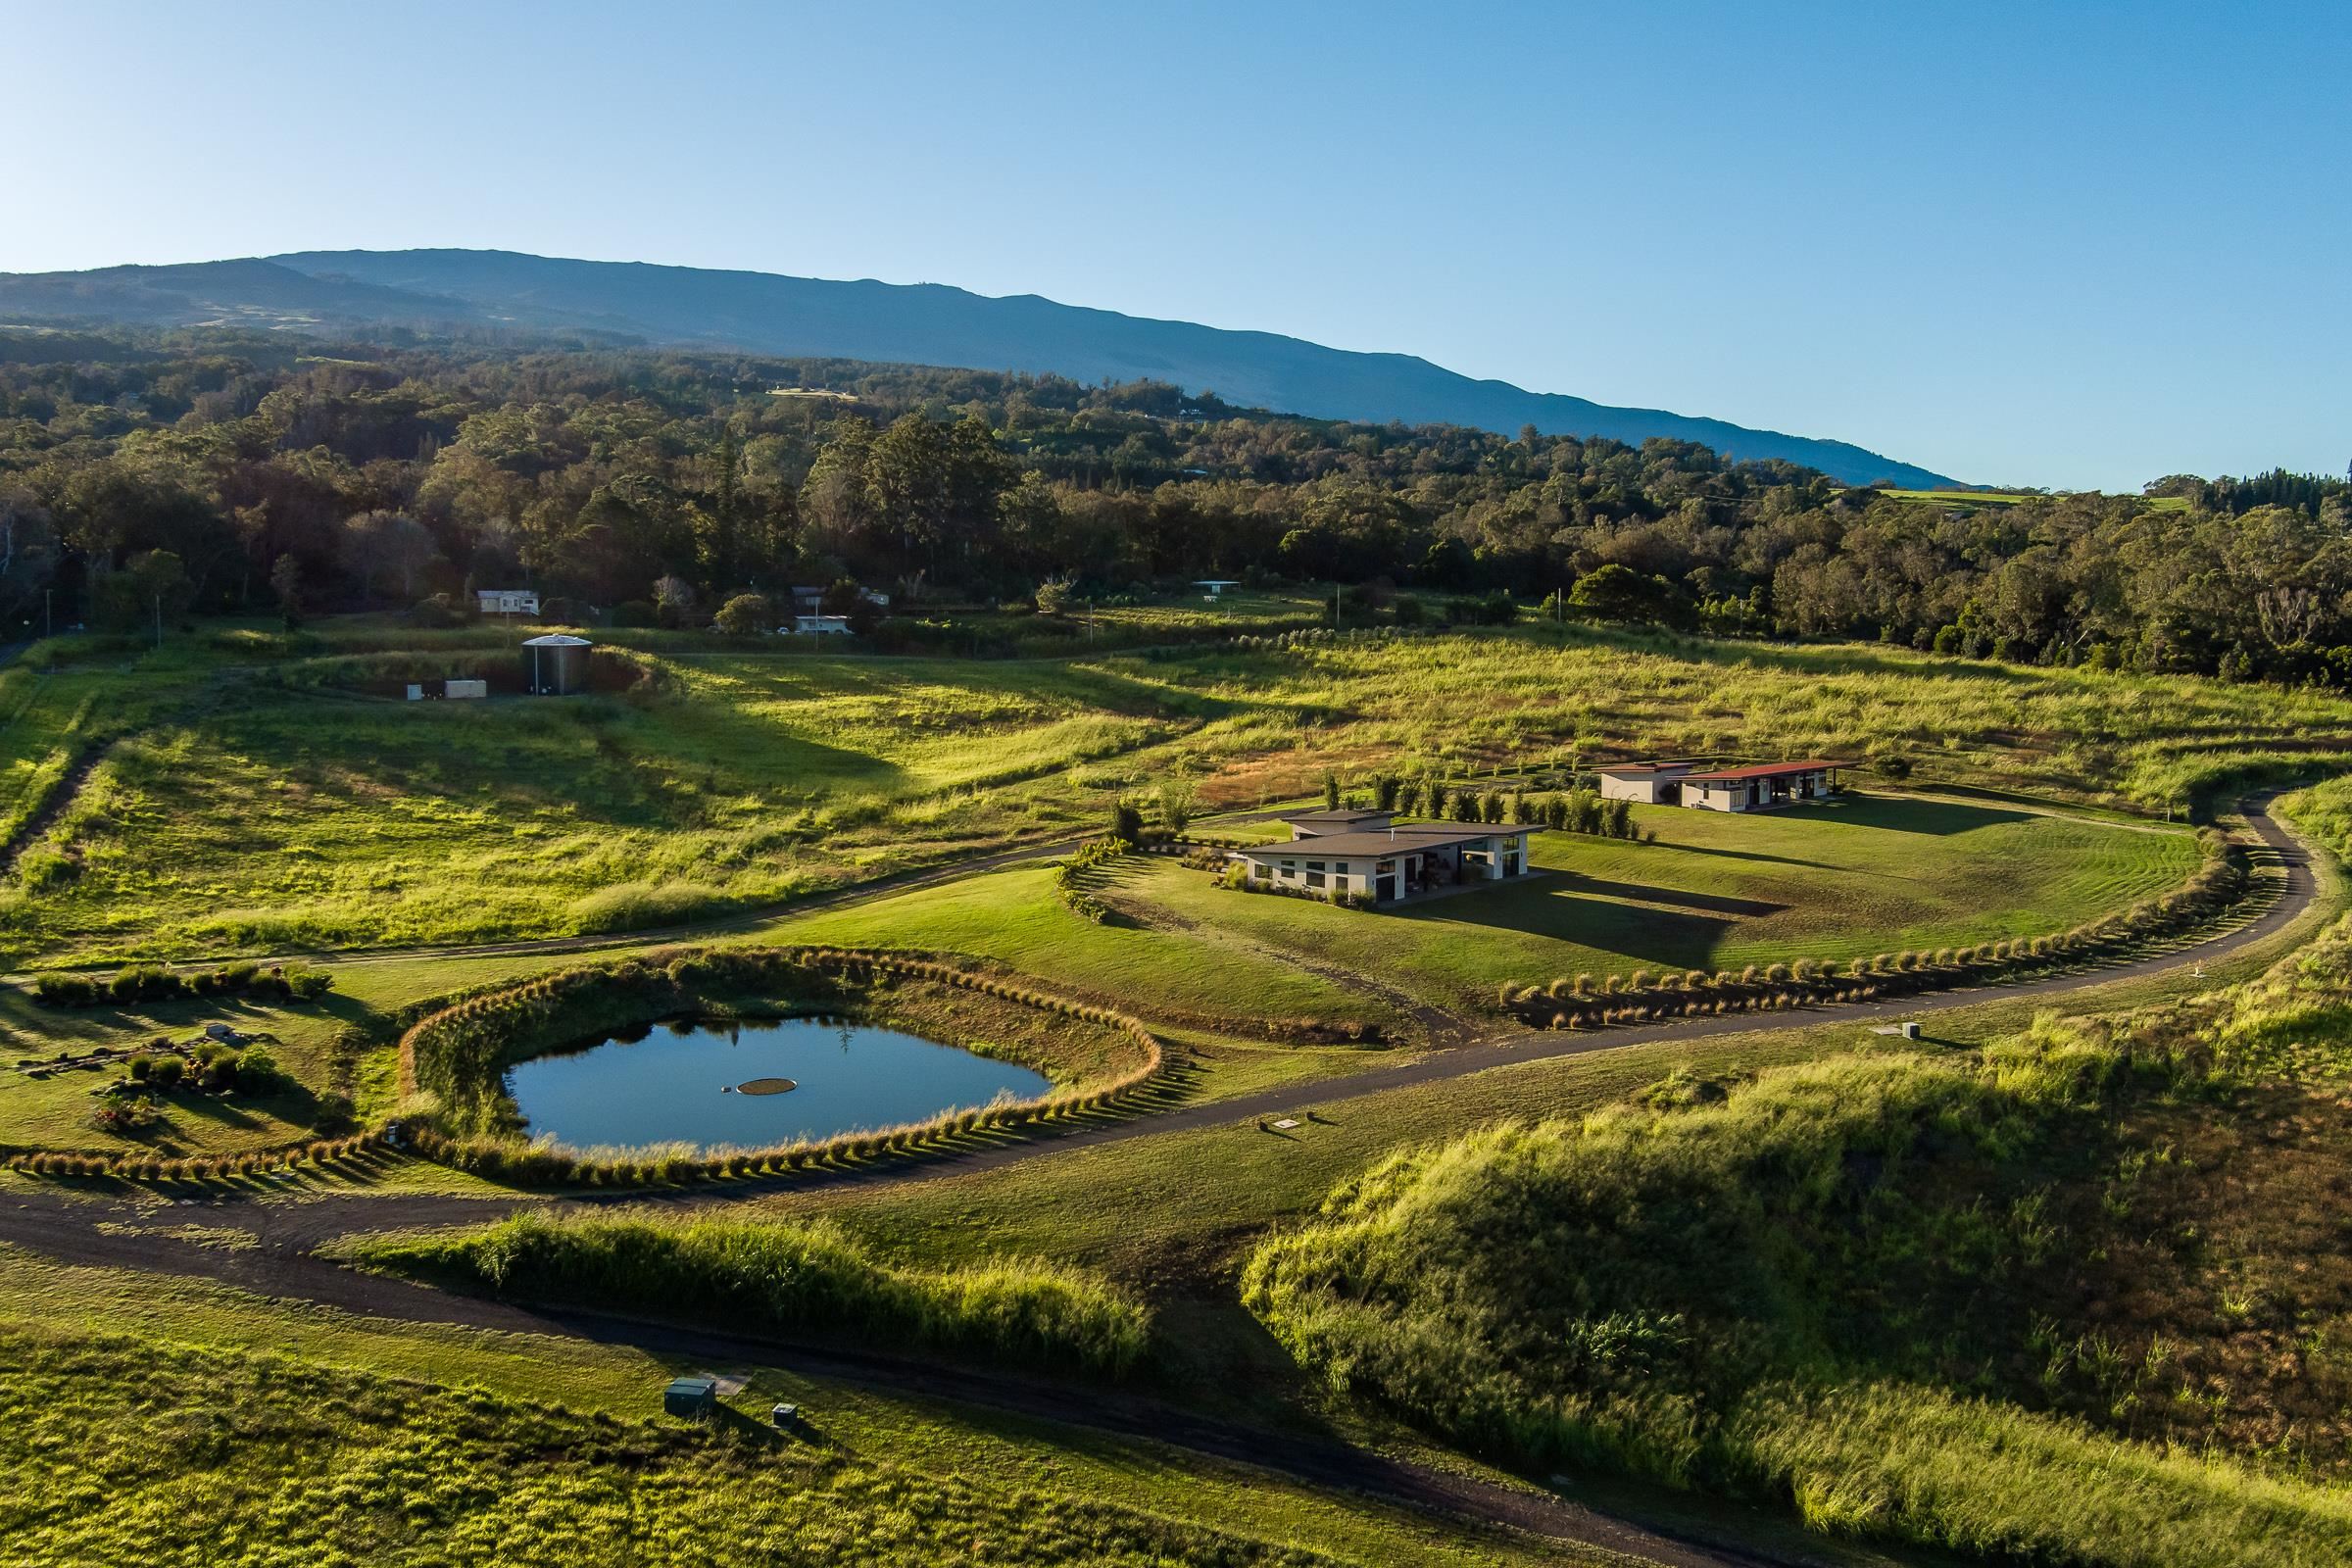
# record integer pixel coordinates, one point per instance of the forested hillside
(704, 310)
(220, 472)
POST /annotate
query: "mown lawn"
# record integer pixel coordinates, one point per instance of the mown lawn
(1018, 918)
(1862, 876)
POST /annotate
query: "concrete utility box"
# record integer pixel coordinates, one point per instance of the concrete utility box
(559, 664)
(415, 691)
(1910, 1031)
(691, 1399)
(465, 688)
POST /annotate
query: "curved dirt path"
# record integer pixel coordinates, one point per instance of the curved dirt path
(285, 1264)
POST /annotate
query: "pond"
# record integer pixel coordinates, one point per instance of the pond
(811, 1078)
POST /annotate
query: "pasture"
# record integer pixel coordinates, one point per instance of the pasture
(1853, 877)
(236, 798)
(1862, 876)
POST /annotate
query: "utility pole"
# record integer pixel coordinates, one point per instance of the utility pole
(48, 612)
(159, 620)
(1334, 606)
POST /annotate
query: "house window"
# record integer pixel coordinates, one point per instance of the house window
(1314, 879)
(1314, 865)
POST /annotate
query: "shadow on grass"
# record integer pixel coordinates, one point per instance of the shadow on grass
(1680, 938)
(1677, 898)
(1933, 818)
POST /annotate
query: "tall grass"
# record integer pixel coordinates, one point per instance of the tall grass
(131, 1452)
(786, 1278)
(2013, 1486)
(1763, 1293)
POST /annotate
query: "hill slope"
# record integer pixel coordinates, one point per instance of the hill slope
(925, 324)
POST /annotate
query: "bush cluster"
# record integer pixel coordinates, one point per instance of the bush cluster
(152, 982)
(790, 1278)
(460, 1055)
(1312, 636)
(1585, 1002)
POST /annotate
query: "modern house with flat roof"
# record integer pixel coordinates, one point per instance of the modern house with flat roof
(1760, 787)
(1313, 824)
(1388, 863)
(1645, 783)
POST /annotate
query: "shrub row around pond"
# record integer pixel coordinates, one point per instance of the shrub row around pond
(1585, 1003)
(316, 1152)
(152, 982)
(460, 1055)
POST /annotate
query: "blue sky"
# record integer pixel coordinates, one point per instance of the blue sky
(2041, 244)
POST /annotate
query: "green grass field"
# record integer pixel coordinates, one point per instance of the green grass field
(876, 1476)
(252, 807)
(2011, 497)
(1016, 919)
(1866, 874)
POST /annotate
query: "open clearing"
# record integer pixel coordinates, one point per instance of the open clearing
(1862, 876)
(257, 802)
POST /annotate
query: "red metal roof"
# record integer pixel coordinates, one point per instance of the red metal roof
(1764, 771)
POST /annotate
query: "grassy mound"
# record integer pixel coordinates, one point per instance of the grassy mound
(787, 1278)
(146, 1453)
(1844, 1285)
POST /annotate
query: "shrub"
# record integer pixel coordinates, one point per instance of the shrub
(258, 1072)
(308, 984)
(68, 990)
(165, 1072)
(746, 615)
(788, 1277)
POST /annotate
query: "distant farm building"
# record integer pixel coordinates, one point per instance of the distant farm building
(506, 600)
(1762, 786)
(1645, 783)
(1755, 787)
(559, 664)
(1332, 858)
(1216, 586)
(457, 687)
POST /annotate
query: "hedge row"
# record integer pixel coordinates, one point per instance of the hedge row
(460, 1052)
(1069, 880)
(1310, 636)
(152, 982)
(146, 1167)
(1583, 1002)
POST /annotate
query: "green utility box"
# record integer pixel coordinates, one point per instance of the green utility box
(691, 1399)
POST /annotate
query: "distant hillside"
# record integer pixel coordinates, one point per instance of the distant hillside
(925, 324)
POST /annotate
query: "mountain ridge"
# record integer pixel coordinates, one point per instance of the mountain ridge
(920, 324)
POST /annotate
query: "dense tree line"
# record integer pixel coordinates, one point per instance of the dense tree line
(149, 474)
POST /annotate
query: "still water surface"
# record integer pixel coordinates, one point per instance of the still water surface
(665, 1086)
